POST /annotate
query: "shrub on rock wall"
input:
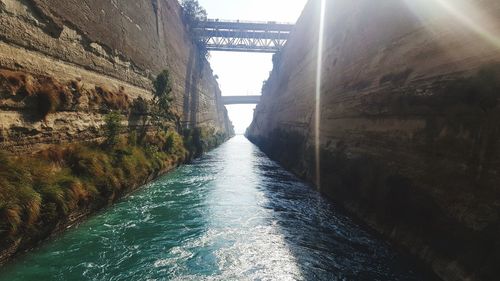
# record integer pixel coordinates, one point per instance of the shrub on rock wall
(112, 127)
(200, 139)
(163, 91)
(39, 191)
(160, 110)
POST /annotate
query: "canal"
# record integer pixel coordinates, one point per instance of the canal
(232, 215)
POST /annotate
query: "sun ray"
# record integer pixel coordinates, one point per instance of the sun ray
(461, 16)
(318, 92)
(471, 17)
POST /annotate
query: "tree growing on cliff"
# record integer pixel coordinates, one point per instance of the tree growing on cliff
(162, 102)
(112, 127)
(193, 12)
(163, 90)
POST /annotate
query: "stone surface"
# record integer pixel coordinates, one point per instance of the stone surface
(64, 65)
(409, 125)
(112, 44)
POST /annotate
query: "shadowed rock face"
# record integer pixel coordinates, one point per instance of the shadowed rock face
(409, 122)
(114, 44)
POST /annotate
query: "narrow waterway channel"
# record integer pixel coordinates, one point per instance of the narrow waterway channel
(232, 215)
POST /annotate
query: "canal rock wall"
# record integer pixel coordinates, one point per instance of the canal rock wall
(78, 125)
(101, 55)
(409, 130)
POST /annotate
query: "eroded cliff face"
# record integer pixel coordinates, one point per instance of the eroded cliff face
(78, 125)
(112, 45)
(409, 127)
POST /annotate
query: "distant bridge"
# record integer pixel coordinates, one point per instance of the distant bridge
(240, 99)
(243, 36)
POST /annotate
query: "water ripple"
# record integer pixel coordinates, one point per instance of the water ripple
(232, 215)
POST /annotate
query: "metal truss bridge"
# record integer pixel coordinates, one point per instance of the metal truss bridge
(240, 99)
(243, 36)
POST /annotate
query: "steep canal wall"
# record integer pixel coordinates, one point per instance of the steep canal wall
(409, 132)
(78, 122)
(108, 47)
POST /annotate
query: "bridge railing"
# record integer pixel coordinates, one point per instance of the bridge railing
(246, 26)
(246, 34)
(247, 21)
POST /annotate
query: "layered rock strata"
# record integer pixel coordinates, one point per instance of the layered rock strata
(101, 44)
(65, 68)
(409, 122)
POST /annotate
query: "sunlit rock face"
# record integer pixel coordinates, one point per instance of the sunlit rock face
(66, 64)
(409, 130)
(117, 45)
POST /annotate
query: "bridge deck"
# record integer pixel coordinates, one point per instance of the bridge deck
(240, 99)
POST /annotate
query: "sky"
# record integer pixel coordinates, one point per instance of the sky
(243, 73)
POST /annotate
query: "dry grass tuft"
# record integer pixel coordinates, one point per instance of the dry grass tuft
(40, 190)
(47, 95)
(55, 154)
(114, 100)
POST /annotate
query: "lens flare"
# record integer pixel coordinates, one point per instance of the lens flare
(318, 92)
(472, 18)
(462, 16)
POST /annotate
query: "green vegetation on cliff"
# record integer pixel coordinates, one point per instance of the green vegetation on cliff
(200, 140)
(43, 192)
(37, 192)
(193, 13)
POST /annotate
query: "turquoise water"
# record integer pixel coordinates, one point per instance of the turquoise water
(232, 215)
